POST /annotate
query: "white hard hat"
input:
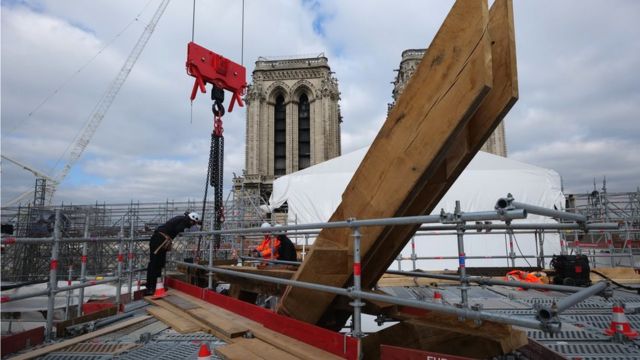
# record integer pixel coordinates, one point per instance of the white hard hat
(265, 225)
(194, 216)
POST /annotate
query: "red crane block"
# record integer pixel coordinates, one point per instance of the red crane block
(209, 67)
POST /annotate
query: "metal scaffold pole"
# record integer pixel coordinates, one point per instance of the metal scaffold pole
(119, 269)
(53, 273)
(131, 253)
(83, 265)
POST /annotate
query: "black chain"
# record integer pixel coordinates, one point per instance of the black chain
(217, 166)
(216, 181)
(206, 191)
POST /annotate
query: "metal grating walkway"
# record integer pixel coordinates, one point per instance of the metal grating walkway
(597, 351)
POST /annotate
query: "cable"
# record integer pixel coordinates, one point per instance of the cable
(637, 290)
(66, 81)
(242, 39)
(193, 22)
(518, 246)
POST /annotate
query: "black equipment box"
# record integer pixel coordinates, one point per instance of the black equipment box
(572, 270)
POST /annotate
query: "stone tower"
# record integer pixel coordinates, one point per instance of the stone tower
(496, 144)
(293, 120)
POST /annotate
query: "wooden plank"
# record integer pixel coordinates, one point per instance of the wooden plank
(446, 89)
(178, 323)
(476, 342)
(292, 346)
(218, 322)
(61, 345)
(62, 326)
(183, 314)
(179, 302)
(253, 349)
(236, 352)
(620, 275)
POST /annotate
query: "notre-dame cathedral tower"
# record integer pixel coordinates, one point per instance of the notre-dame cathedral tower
(293, 120)
(496, 144)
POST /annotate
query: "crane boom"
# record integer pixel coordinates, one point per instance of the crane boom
(110, 94)
(35, 172)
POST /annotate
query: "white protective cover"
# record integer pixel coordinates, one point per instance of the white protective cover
(314, 193)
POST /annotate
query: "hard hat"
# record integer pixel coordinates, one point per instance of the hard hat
(265, 225)
(194, 216)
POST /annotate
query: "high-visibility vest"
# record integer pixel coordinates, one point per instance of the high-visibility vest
(265, 247)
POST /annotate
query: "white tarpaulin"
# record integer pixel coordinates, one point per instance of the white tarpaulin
(314, 193)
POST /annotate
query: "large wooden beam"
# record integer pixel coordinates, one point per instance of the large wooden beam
(466, 144)
(448, 87)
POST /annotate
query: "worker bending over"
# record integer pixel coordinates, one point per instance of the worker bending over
(160, 243)
(275, 247)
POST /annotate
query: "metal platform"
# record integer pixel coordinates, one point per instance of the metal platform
(583, 325)
(150, 339)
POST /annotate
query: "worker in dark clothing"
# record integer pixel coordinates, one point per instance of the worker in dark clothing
(276, 246)
(160, 243)
(287, 249)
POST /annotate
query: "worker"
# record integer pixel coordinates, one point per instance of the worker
(279, 245)
(160, 243)
(287, 251)
(269, 246)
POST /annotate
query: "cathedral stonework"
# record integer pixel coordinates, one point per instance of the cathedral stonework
(293, 120)
(496, 143)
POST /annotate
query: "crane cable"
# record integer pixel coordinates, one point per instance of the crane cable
(215, 173)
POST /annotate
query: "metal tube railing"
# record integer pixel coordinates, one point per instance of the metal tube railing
(357, 285)
(532, 226)
(489, 281)
(581, 295)
(551, 325)
(509, 203)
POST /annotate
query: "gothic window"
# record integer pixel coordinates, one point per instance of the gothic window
(280, 137)
(304, 133)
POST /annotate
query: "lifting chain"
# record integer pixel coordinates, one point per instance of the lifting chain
(216, 160)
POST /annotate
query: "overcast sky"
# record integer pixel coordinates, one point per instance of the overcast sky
(578, 67)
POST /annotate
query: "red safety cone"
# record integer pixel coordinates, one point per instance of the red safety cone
(620, 324)
(160, 291)
(204, 353)
(437, 297)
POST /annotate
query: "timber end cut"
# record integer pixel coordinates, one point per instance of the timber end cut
(464, 86)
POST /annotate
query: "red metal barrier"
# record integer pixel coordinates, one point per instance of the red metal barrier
(324, 339)
(388, 352)
(94, 306)
(16, 342)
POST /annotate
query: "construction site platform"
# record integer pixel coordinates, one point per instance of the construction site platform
(176, 325)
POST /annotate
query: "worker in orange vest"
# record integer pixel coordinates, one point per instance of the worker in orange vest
(268, 248)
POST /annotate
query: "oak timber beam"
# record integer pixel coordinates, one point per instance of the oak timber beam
(450, 84)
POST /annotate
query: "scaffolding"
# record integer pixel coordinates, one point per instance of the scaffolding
(28, 262)
(127, 220)
(622, 208)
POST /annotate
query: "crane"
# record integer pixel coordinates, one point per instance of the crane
(105, 102)
(44, 183)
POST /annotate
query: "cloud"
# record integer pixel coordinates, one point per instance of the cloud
(577, 63)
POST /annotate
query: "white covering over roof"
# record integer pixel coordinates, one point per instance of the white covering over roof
(314, 193)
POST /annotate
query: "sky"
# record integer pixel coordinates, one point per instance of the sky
(578, 62)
